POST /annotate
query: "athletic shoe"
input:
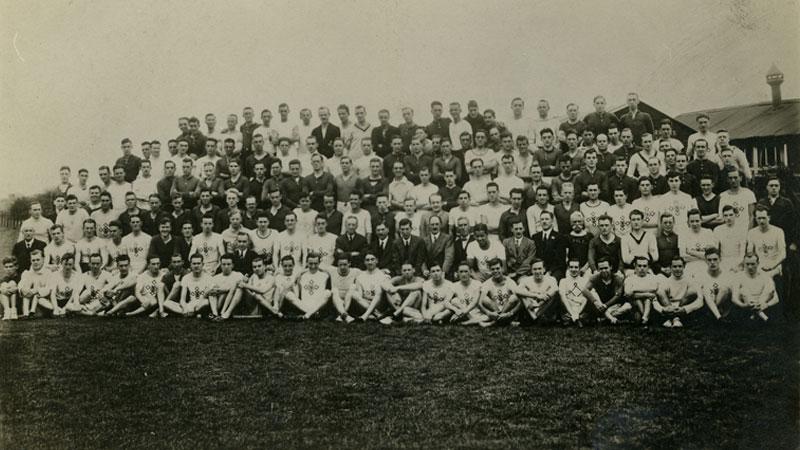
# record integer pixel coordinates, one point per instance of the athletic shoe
(339, 319)
(667, 324)
(515, 323)
(349, 319)
(676, 323)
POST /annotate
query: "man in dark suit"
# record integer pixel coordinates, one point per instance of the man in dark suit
(243, 255)
(552, 247)
(438, 247)
(639, 122)
(351, 243)
(520, 251)
(381, 246)
(383, 134)
(325, 133)
(22, 249)
(407, 249)
(460, 243)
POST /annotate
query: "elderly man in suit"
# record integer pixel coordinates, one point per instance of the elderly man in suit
(351, 243)
(552, 247)
(520, 251)
(438, 247)
(460, 242)
(407, 249)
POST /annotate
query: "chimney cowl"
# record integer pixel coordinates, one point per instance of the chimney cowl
(774, 79)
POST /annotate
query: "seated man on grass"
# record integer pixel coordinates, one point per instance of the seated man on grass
(677, 296)
(538, 293)
(605, 290)
(641, 288)
(9, 286)
(224, 291)
(66, 285)
(259, 287)
(34, 284)
(436, 293)
(405, 296)
(343, 279)
(498, 299)
(149, 290)
(311, 292)
(464, 302)
(573, 298)
(369, 287)
(754, 291)
(195, 287)
(119, 293)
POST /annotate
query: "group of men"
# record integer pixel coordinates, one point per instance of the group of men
(468, 219)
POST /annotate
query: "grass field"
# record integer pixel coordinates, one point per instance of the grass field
(186, 383)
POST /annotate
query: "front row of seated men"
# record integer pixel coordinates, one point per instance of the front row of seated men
(347, 293)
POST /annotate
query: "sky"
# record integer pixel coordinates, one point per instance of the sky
(78, 76)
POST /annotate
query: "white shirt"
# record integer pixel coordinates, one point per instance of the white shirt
(136, 248)
(324, 246)
(678, 205)
(455, 132)
(143, 187)
(364, 221)
(118, 191)
(211, 247)
(526, 127)
(591, 213)
(620, 218)
(72, 223)
(534, 215)
(740, 202)
(495, 250)
(356, 151)
(41, 228)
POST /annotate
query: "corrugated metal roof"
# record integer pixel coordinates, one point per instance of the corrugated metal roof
(755, 120)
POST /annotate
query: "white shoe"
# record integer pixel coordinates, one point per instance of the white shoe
(349, 319)
(339, 319)
(676, 323)
(668, 324)
(386, 321)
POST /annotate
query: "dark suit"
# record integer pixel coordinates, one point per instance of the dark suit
(244, 264)
(382, 139)
(292, 191)
(439, 252)
(460, 251)
(23, 253)
(326, 143)
(518, 259)
(384, 255)
(553, 252)
(352, 247)
(414, 254)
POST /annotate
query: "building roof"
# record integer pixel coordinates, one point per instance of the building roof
(754, 120)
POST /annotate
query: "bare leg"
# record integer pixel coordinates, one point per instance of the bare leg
(234, 297)
(410, 300)
(213, 304)
(123, 304)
